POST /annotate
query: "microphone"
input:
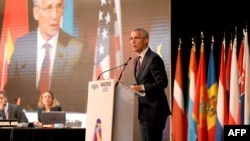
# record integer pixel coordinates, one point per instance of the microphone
(122, 71)
(125, 64)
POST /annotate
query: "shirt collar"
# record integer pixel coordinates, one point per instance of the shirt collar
(41, 40)
(6, 107)
(142, 54)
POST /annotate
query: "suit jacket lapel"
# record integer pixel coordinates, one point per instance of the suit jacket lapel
(143, 65)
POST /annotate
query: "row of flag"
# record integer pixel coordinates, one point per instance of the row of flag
(211, 102)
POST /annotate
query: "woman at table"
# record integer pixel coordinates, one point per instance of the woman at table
(47, 102)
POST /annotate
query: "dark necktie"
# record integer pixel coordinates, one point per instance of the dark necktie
(3, 114)
(44, 76)
(138, 65)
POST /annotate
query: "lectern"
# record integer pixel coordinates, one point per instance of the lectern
(110, 111)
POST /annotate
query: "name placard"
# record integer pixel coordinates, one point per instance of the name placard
(8, 123)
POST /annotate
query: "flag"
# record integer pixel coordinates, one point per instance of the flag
(228, 64)
(201, 99)
(234, 88)
(228, 71)
(15, 24)
(241, 70)
(221, 107)
(246, 64)
(192, 72)
(212, 87)
(116, 45)
(106, 40)
(178, 114)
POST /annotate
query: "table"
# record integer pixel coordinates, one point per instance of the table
(42, 134)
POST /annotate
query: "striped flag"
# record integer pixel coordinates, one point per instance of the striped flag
(228, 71)
(192, 72)
(201, 98)
(116, 45)
(222, 104)
(15, 24)
(212, 87)
(241, 70)
(246, 64)
(107, 39)
(234, 88)
(228, 64)
(178, 102)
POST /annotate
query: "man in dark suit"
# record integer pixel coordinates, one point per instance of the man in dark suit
(11, 111)
(67, 76)
(151, 79)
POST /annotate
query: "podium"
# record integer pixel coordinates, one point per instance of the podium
(110, 111)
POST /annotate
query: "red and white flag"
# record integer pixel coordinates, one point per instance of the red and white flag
(222, 102)
(178, 115)
(234, 88)
(246, 64)
(108, 39)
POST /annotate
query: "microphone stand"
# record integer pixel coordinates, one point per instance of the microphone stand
(117, 82)
(110, 70)
(125, 64)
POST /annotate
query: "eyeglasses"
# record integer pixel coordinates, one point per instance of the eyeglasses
(48, 10)
(135, 38)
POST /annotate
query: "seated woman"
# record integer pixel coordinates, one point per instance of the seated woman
(47, 102)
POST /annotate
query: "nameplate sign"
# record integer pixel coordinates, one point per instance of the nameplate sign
(8, 123)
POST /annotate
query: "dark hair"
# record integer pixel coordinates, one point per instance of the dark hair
(98, 120)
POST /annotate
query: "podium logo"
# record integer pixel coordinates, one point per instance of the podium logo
(105, 84)
(94, 86)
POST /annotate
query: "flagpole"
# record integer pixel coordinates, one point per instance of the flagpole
(235, 34)
(180, 43)
(212, 42)
(202, 37)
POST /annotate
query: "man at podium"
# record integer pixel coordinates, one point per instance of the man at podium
(151, 79)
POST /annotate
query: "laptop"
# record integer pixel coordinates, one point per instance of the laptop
(53, 117)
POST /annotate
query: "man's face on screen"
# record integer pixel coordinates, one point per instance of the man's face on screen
(48, 14)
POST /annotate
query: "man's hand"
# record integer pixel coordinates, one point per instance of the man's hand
(136, 87)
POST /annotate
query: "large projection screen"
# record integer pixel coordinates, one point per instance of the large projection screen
(105, 38)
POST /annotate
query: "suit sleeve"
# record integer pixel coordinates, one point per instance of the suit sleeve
(21, 115)
(159, 75)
